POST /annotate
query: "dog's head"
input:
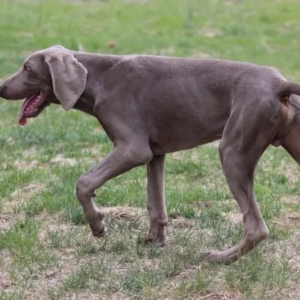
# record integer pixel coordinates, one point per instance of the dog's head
(47, 76)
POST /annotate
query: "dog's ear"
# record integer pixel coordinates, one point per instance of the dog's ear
(68, 77)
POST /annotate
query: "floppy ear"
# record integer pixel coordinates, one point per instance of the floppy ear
(68, 78)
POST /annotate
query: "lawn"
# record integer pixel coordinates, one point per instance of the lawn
(46, 248)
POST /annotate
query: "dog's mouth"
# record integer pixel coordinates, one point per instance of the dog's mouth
(32, 107)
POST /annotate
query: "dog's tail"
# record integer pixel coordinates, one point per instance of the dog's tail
(286, 88)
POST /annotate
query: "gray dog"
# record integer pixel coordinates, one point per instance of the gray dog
(150, 106)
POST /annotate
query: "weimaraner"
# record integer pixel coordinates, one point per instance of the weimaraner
(151, 105)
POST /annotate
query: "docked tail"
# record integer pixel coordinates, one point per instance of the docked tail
(287, 88)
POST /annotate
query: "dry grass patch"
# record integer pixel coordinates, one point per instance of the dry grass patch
(291, 171)
(7, 280)
(210, 32)
(120, 266)
(26, 165)
(290, 199)
(10, 208)
(24, 193)
(63, 161)
(125, 213)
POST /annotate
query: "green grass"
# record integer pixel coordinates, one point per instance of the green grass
(46, 249)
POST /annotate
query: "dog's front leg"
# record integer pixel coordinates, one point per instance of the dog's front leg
(156, 205)
(119, 160)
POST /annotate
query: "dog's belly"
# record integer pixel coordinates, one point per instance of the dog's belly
(180, 125)
(177, 139)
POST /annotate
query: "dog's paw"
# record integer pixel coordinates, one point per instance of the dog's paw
(159, 240)
(157, 243)
(98, 229)
(222, 257)
(95, 220)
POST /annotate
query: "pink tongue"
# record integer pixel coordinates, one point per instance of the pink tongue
(22, 121)
(30, 103)
(22, 118)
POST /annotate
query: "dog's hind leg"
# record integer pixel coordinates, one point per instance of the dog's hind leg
(245, 138)
(156, 205)
(239, 171)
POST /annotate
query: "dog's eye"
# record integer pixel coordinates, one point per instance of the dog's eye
(26, 68)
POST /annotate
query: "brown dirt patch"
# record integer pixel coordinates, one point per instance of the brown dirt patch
(234, 217)
(293, 250)
(124, 212)
(289, 221)
(5, 221)
(92, 296)
(5, 280)
(226, 296)
(182, 223)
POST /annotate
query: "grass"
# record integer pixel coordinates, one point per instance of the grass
(46, 249)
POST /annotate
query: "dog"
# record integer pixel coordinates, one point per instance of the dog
(150, 106)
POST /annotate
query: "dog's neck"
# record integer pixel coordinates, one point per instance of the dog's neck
(92, 62)
(100, 61)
